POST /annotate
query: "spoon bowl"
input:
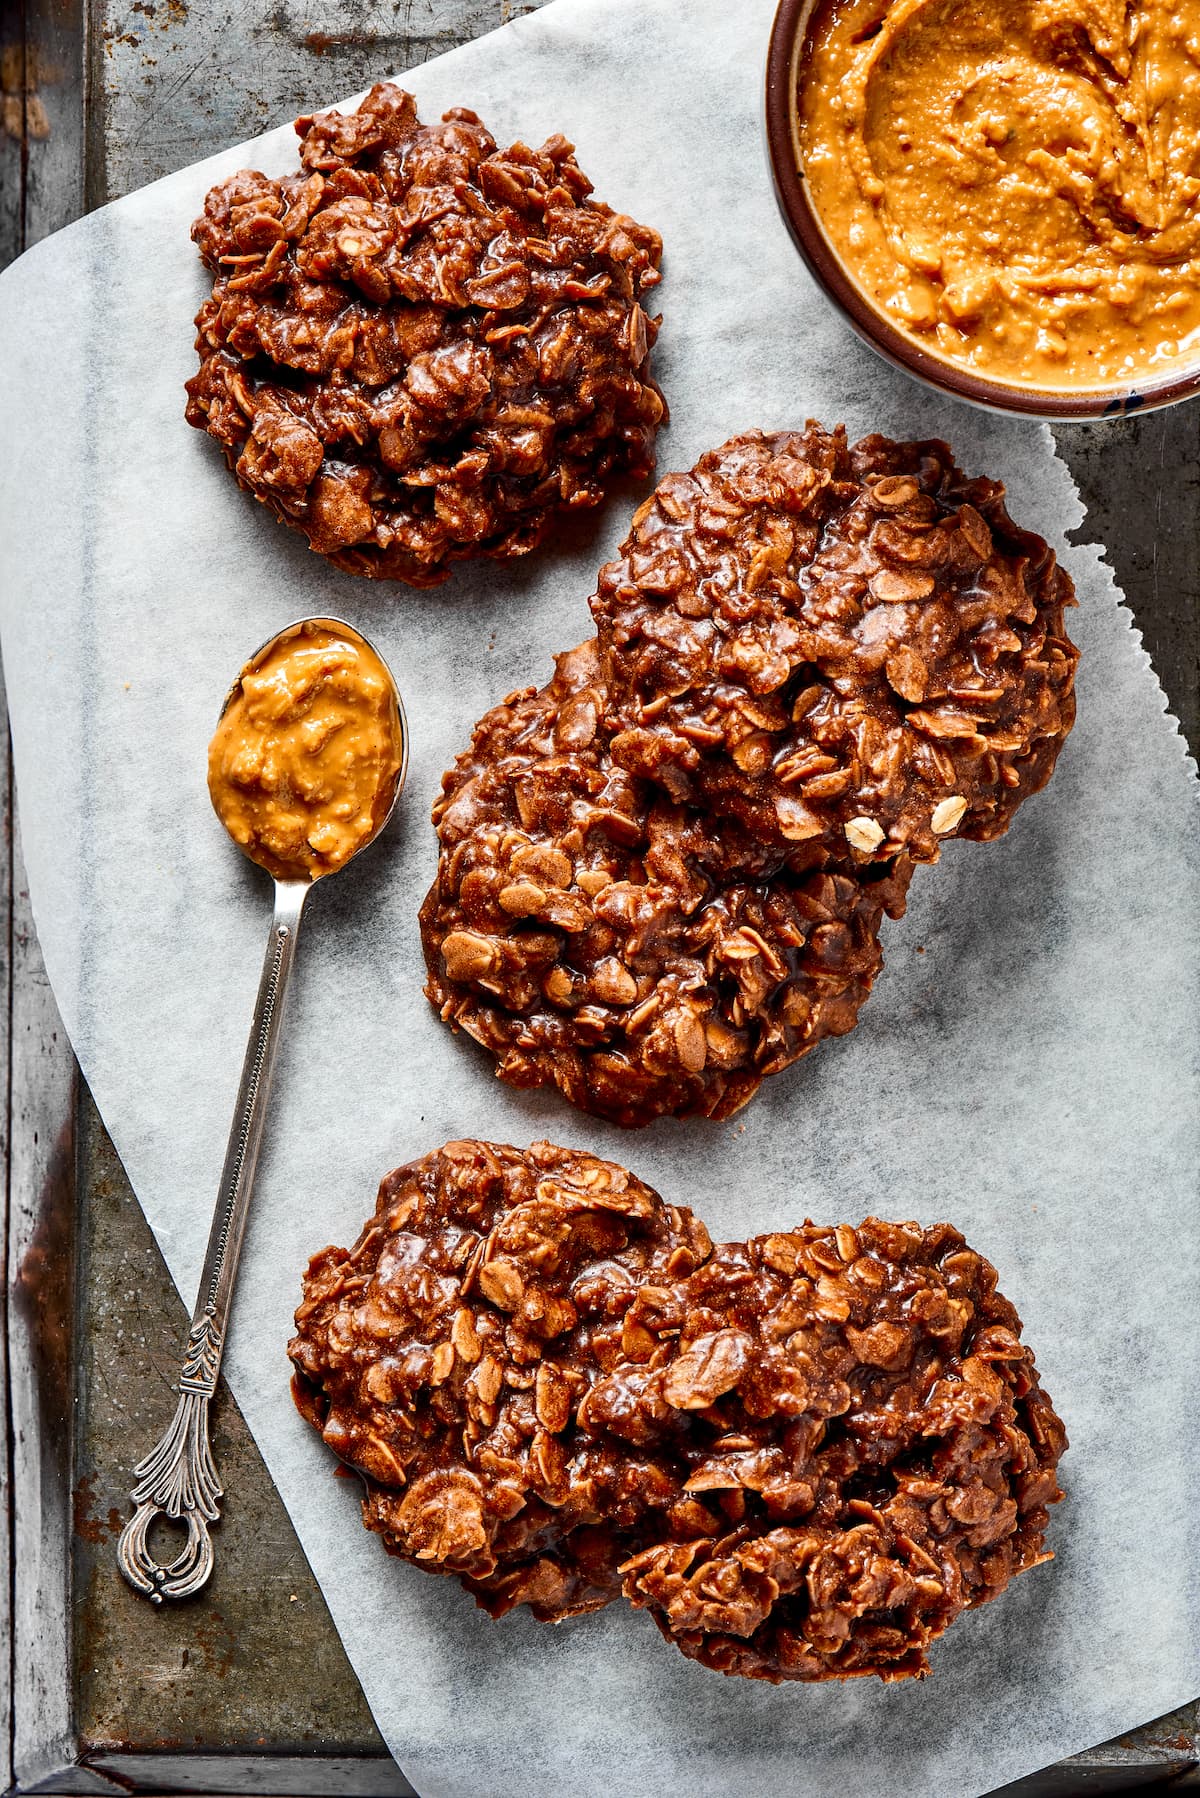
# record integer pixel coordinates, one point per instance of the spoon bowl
(292, 712)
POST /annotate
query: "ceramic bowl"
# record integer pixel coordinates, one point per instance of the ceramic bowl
(784, 73)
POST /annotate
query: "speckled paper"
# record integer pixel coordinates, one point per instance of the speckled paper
(1027, 1067)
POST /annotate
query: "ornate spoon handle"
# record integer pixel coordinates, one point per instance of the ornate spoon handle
(178, 1479)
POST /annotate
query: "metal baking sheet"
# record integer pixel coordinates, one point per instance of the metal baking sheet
(247, 1689)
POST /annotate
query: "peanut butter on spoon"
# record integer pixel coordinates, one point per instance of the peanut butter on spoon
(304, 763)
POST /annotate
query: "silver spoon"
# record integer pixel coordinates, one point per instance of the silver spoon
(178, 1479)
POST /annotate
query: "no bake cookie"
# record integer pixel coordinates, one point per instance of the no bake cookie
(805, 1454)
(593, 934)
(422, 347)
(444, 1356)
(850, 645)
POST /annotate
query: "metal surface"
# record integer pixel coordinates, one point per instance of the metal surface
(230, 1690)
(246, 1688)
(41, 188)
(1140, 479)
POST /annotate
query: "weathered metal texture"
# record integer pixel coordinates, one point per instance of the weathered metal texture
(177, 78)
(246, 1688)
(42, 103)
(41, 188)
(1140, 479)
(40, 1292)
(256, 1654)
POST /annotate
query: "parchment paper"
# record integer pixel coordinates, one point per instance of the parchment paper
(1027, 1067)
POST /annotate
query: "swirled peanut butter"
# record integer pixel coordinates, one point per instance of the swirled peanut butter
(1014, 182)
(304, 762)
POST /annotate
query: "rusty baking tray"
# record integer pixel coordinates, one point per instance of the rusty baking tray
(246, 1688)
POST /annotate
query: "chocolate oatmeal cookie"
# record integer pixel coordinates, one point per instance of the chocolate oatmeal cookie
(865, 1400)
(422, 347)
(851, 646)
(805, 1454)
(444, 1356)
(593, 934)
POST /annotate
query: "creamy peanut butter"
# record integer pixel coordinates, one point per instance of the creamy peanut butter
(1016, 183)
(304, 763)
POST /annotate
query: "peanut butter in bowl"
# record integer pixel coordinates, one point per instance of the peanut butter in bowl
(309, 751)
(1016, 185)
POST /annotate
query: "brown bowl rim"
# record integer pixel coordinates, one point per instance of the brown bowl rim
(800, 216)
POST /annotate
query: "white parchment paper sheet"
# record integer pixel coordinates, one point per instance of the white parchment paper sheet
(1027, 1068)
